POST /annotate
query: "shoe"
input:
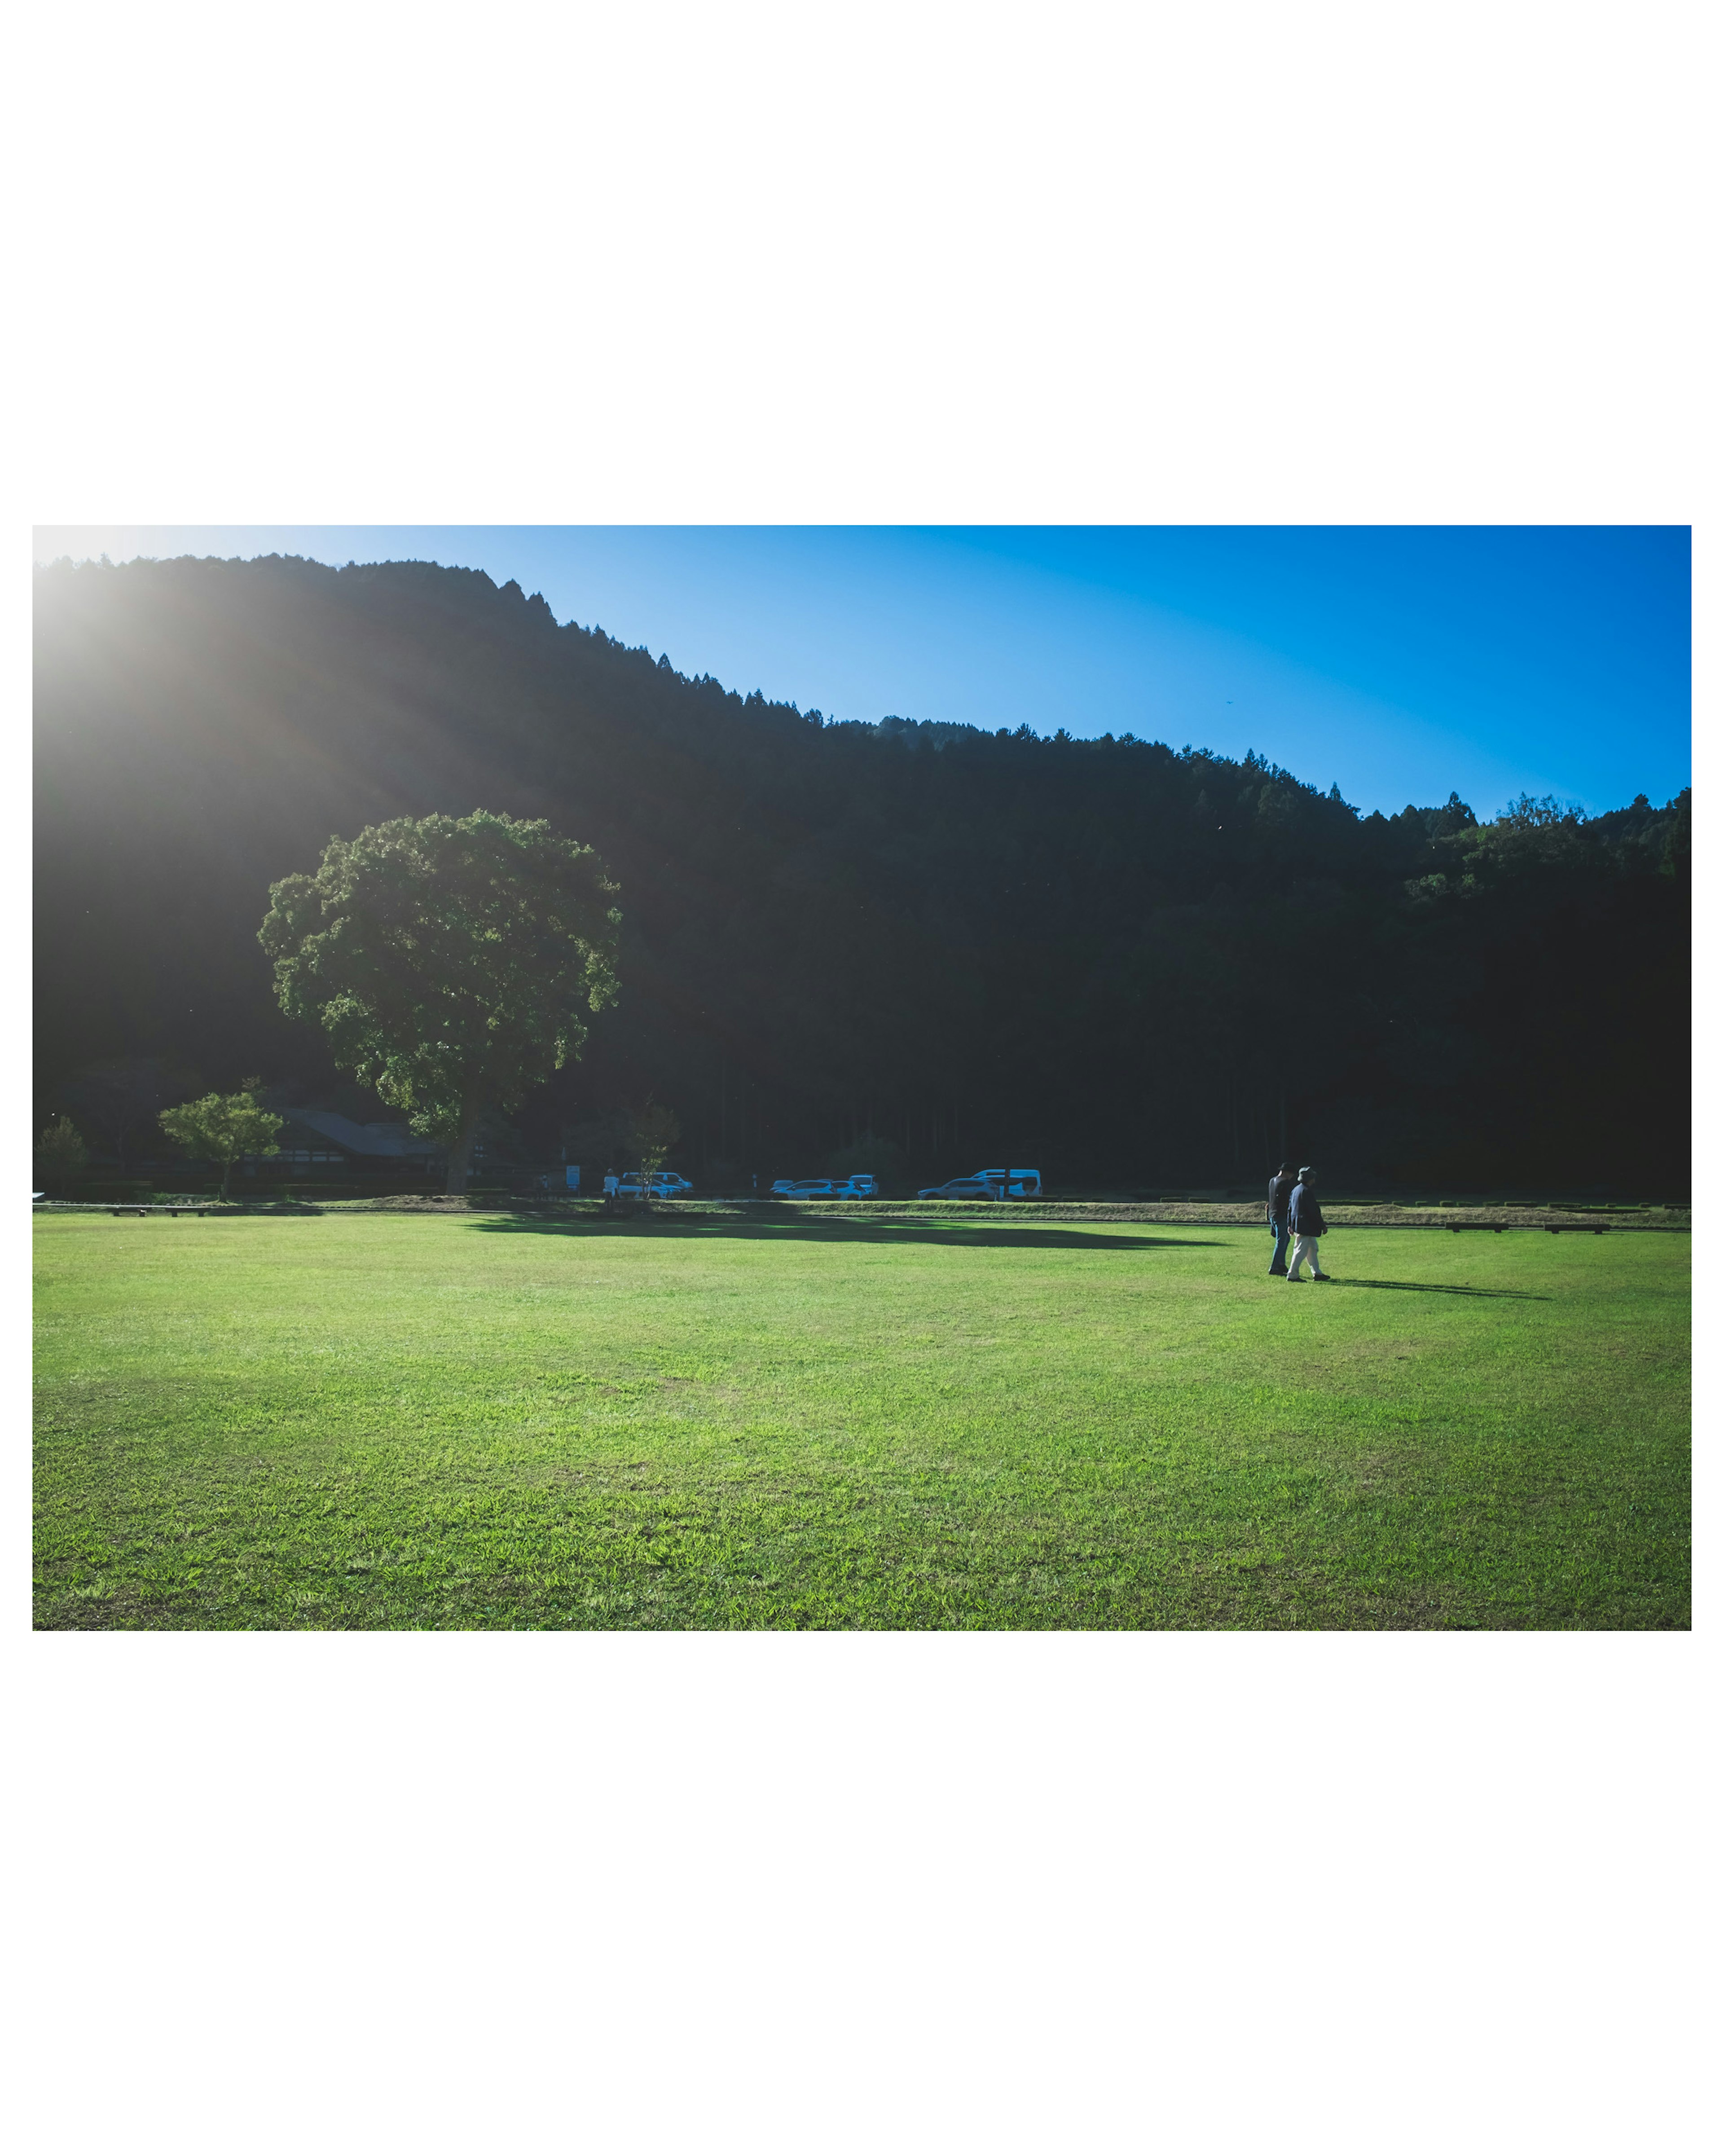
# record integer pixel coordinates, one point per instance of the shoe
(1278, 1272)
(1324, 1277)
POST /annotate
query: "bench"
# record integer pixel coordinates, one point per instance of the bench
(1493, 1228)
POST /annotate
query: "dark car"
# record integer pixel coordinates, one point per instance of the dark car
(961, 1186)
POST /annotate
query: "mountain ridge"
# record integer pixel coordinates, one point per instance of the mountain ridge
(1126, 956)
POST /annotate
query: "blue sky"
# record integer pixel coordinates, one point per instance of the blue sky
(1398, 662)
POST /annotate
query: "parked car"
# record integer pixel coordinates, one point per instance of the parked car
(990, 1182)
(1015, 1182)
(825, 1186)
(663, 1183)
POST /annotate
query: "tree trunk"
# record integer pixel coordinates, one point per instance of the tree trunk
(460, 1155)
(227, 1178)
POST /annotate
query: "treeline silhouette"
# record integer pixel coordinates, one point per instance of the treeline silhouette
(1129, 965)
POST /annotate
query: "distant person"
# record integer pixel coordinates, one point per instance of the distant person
(610, 1186)
(1306, 1216)
(1281, 1197)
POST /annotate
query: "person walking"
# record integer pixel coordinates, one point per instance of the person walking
(1307, 1217)
(1280, 1196)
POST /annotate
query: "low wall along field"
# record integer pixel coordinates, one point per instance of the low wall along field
(445, 1416)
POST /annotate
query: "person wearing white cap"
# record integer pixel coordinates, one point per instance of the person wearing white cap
(1306, 1216)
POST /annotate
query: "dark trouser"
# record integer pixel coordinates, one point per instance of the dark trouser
(1278, 1262)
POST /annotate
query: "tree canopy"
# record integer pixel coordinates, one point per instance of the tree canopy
(224, 1128)
(448, 960)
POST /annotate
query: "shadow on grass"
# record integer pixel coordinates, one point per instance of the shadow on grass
(1441, 1287)
(839, 1231)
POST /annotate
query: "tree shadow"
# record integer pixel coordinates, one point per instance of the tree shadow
(1442, 1287)
(212, 1211)
(950, 1237)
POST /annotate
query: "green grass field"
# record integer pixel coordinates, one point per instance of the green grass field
(367, 1419)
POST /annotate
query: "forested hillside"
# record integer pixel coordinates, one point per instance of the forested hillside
(1129, 965)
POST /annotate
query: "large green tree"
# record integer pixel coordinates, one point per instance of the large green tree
(449, 960)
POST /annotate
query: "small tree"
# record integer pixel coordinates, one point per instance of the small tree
(654, 1131)
(446, 961)
(223, 1128)
(60, 1151)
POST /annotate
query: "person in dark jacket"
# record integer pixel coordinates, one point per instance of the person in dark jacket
(1307, 1217)
(1281, 1195)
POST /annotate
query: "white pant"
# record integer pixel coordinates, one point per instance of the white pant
(1304, 1247)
